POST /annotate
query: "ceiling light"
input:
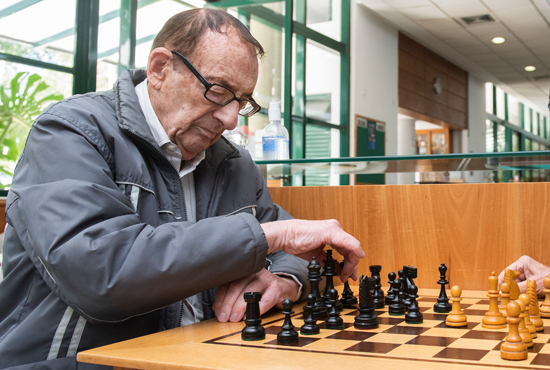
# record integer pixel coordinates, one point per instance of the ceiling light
(530, 68)
(498, 40)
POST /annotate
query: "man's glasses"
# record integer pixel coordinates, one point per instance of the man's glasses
(220, 95)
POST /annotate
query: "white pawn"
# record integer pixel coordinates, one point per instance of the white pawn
(456, 317)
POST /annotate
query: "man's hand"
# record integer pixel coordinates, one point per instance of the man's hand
(307, 239)
(230, 306)
(529, 269)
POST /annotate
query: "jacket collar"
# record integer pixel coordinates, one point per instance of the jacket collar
(130, 117)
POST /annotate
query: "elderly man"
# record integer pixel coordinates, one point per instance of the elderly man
(128, 209)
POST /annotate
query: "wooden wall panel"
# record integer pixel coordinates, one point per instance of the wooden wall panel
(422, 63)
(472, 228)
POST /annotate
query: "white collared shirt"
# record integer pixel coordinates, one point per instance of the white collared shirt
(192, 310)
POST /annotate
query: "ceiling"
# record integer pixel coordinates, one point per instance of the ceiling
(525, 24)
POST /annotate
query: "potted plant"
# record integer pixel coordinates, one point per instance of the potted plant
(20, 104)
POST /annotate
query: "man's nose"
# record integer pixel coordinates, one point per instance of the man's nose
(228, 115)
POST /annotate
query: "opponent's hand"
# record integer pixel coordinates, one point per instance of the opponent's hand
(529, 269)
(307, 239)
(230, 305)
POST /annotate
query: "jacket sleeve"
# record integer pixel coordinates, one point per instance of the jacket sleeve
(280, 262)
(88, 244)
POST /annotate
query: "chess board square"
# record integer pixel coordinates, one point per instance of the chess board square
(481, 344)
(331, 345)
(322, 334)
(481, 307)
(424, 324)
(542, 338)
(468, 301)
(302, 341)
(424, 309)
(427, 299)
(424, 340)
(379, 329)
(390, 338)
(471, 312)
(484, 302)
(481, 328)
(352, 335)
(414, 351)
(390, 320)
(461, 354)
(348, 319)
(434, 316)
(469, 326)
(425, 304)
(545, 349)
(475, 318)
(485, 334)
(541, 359)
(445, 332)
(346, 325)
(409, 329)
(372, 347)
(274, 329)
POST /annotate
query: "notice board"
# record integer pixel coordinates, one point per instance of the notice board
(370, 141)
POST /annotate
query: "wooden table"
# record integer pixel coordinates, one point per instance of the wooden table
(213, 345)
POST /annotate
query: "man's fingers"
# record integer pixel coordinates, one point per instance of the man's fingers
(522, 286)
(220, 295)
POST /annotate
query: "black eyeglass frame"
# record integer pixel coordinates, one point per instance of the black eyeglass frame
(209, 85)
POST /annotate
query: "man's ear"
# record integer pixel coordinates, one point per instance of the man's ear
(158, 67)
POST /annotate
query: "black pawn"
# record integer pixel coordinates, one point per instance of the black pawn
(366, 318)
(391, 292)
(287, 333)
(413, 316)
(378, 301)
(334, 320)
(314, 277)
(348, 299)
(310, 326)
(253, 329)
(442, 305)
(397, 308)
(375, 271)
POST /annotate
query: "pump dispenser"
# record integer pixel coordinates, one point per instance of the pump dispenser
(275, 135)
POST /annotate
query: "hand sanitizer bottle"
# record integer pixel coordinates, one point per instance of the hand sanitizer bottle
(275, 136)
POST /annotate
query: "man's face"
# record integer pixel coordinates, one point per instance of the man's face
(177, 96)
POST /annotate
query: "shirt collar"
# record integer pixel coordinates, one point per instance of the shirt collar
(170, 149)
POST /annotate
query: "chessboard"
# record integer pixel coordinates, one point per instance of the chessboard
(393, 345)
(431, 341)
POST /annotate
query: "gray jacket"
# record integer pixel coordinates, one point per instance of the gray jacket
(97, 247)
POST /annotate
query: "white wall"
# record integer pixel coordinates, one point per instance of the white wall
(473, 139)
(374, 73)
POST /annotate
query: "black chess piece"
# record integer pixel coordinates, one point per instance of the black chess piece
(442, 305)
(329, 272)
(413, 316)
(287, 333)
(348, 299)
(397, 308)
(314, 276)
(401, 279)
(378, 301)
(310, 326)
(253, 329)
(406, 284)
(391, 292)
(366, 318)
(334, 320)
(375, 271)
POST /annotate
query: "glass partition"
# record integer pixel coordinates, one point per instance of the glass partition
(429, 169)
